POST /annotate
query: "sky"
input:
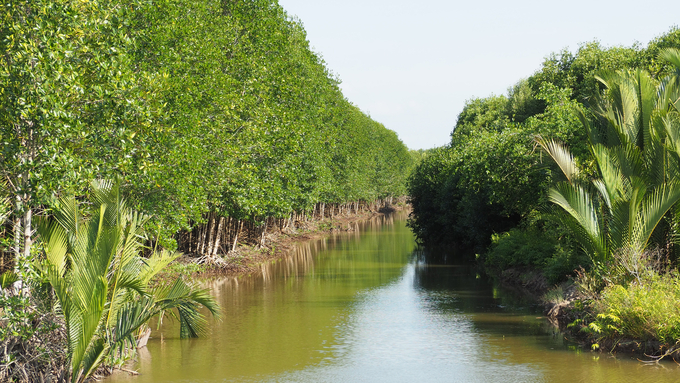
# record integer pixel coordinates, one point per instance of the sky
(411, 65)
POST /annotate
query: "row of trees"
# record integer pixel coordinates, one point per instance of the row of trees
(202, 109)
(216, 121)
(487, 191)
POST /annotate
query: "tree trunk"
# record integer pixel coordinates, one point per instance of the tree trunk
(201, 240)
(264, 230)
(220, 227)
(211, 232)
(17, 238)
(28, 233)
(239, 226)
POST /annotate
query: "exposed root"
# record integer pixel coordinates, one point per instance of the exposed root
(131, 372)
(41, 358)
(212, 261)
(672, 352)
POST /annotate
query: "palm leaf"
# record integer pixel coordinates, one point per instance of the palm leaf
(131, 316)
(653, 210)
(610, 171)
(186, 299)
(577, 202)
(92, 359)
(562, 157)
(97, 274)
(672, 55)
(5, 205)
(55, 243)
(155, 263)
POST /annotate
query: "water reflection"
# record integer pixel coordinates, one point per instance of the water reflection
(366, 306)
(513, 333)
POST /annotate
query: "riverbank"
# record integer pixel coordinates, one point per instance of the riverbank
(246, 258)
(366, 306)
(27, 319)
(638, 318)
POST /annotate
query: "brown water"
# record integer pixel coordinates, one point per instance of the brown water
(366, 307)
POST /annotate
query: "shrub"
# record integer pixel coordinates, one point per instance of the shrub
(533, 248)
(646, 311)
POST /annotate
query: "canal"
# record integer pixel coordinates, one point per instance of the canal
(366, 306)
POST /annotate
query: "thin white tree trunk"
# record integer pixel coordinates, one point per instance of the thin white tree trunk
(28, 234)
(239, 226)
(211, 233)
(220, 227)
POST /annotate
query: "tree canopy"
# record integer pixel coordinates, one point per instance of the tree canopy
(197, 106)
(492, 178)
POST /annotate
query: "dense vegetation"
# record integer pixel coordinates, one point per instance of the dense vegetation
(575, 171)
(489, 186)
(204, 110)
(216, 121)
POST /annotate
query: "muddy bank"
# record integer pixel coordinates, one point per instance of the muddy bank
(245, 258)
(569, 309)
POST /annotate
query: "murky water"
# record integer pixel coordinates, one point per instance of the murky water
(365, 307)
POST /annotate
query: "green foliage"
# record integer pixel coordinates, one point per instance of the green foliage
(647, 311)
(197, 106)
(418, 155)
(101, 282)
(523, 102)
(491, 178)
(5, 204)
(519, 248)
(255, 125)
(70, 98)
(487, 114)
(21, 312)
(534, 248)
(577, 71)
(651, 59)
(554, 296)
(7, 279)
(635, 150)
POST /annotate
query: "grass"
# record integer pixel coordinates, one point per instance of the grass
(554, 296)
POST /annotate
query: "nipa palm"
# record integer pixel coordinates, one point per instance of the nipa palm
(635, 145)
(101, 282)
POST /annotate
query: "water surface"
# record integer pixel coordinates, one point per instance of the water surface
(366, 307)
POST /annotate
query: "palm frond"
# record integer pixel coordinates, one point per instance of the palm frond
(577, 202)
(68, 215)
(131, 316)
(585, 240)
(562, 157)
(55, 241)
(610, 171)
(653, 210)
(186, 299)
(92, 359)
(87, 321)
(101, 281)
(155, 263)
(672, 55)
(5, 204)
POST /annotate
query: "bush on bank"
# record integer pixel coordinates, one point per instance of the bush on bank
(644, 311)
(535, 250)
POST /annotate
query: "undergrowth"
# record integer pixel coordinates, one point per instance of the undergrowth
(635, 296)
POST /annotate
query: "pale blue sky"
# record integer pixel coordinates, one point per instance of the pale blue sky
(412, 64)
